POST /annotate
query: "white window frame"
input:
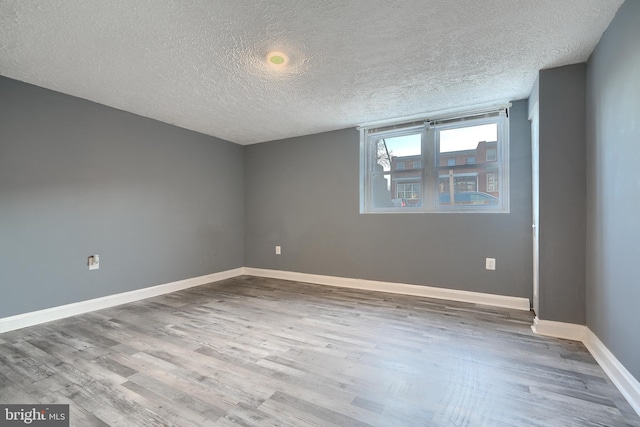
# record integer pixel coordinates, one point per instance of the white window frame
(430, 130)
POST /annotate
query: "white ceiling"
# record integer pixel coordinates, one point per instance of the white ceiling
(199, 64)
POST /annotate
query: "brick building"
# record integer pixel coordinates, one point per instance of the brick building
(473, 170)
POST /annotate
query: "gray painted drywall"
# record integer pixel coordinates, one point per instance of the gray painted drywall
(302, 194)
(562, 193)
(157, 203)
(613, 187)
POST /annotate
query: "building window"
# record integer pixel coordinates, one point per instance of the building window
(435, 183)
(461, 183)
(408, 191)
(491, 155)
(492, 182)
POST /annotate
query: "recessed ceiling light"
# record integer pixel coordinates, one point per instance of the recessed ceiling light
(277, 59)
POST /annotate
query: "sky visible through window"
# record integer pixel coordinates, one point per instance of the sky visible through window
(459, 139)
(408, 145)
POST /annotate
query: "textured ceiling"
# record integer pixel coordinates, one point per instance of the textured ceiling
(199, 64)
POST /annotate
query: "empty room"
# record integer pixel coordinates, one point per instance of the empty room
(319, 213)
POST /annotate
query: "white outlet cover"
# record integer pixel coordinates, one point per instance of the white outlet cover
(278, 250)
(94, 262)
(490, 264)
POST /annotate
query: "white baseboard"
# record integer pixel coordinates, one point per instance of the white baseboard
(60, 312)
(396, 288)
(619, 375)
(567, 331)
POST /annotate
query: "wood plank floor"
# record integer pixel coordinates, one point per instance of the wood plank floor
(262, 352)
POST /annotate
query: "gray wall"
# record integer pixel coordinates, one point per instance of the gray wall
(613, 187)
(302, 193)
(156, 202)
(562, 193)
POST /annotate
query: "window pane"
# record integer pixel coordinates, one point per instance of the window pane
(464, 171)
(397, 178)
(393, 153)
(467, 138)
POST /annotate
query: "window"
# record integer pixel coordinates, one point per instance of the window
(461, 183)
(491, 155)
(492, 182)
(408, 191)
(432, 181)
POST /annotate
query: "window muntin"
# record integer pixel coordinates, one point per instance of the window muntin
(437, 167)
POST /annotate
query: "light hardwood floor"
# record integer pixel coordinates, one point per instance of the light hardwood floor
(259, 352)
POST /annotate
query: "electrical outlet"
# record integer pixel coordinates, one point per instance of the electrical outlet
(278, 250)
(94, 262)
(491, 264)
